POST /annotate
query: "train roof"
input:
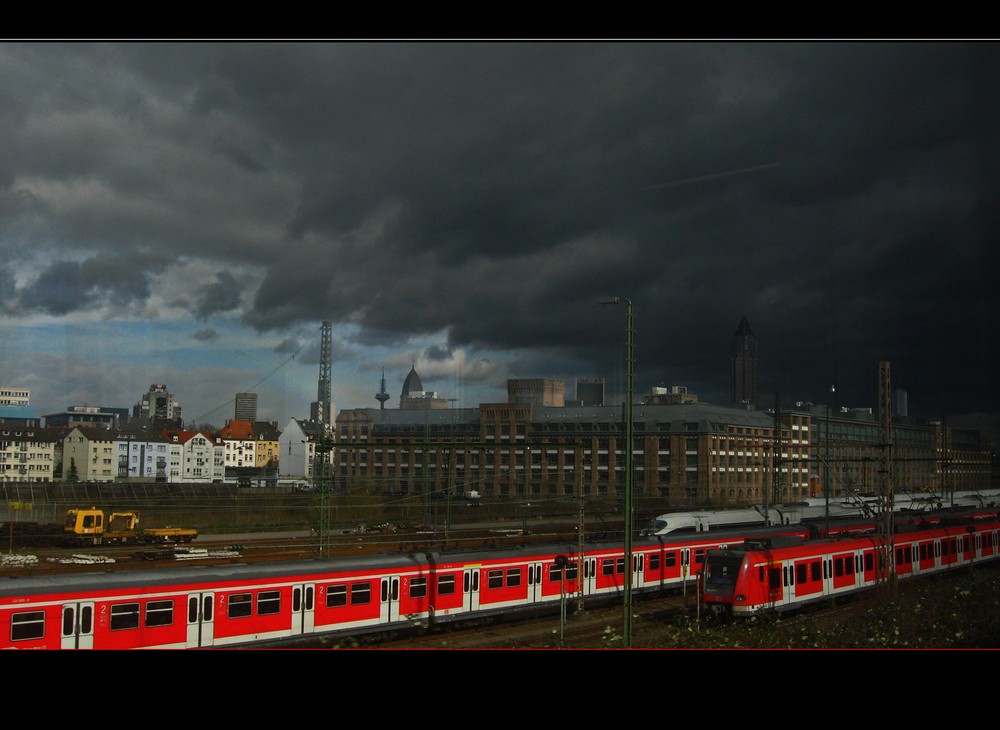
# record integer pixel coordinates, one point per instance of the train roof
(18, 585)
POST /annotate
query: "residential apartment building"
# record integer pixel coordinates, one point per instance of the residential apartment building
(297, 448)
(250, 444)
(145, 457)
(202, 457)
(90, 455)
(28, 454)
(268, 448)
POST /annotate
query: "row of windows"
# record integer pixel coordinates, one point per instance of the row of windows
(30, 625)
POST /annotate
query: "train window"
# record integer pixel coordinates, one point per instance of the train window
(555, 573)
(125, 616)
(849, 565)
(418, 587)
(620, 566)
(336, 596)
(838, 567)
(571, 571)
(654, 561)
(513, 577)
(923, 551)
(699, 556)
(607, 566)
(27, 625)
(160, 613)
(240, 605)
(494, 579)
(361, 593)
(670, 560)
(446, 585)
(817, 570)
(774, 578)
(268, 603)
(801, 572)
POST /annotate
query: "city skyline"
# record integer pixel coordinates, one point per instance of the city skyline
(189, 213)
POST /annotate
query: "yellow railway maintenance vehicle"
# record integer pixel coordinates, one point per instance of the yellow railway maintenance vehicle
(91, 527)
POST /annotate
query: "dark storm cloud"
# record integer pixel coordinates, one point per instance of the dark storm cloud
(223, 295)
(68, 286)
(842, 196)
(205, 335)
(287, 345)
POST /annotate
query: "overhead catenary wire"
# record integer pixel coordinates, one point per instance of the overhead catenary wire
(263, 379)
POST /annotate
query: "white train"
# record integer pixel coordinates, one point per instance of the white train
(786, 514)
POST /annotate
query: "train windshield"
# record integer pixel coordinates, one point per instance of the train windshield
(654, 526)
(721, 569)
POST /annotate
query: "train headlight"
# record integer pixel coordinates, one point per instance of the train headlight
(739, 598)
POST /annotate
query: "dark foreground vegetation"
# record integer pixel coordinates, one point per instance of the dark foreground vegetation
(957, 611)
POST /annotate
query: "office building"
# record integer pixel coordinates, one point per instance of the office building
(246, 407)
(744, 362)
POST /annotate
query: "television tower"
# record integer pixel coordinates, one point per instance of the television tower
(382, 396)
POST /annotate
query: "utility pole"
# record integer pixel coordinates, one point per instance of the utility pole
(885, 572)
(581, 491)
(627, 632)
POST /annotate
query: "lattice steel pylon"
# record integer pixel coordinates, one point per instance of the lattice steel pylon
(324, 396)
(885, 571)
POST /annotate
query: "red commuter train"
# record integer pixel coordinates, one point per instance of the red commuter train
(274, 604)
(782, 574)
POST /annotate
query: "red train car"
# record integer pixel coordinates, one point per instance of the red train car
(763, 576)
(273, 604)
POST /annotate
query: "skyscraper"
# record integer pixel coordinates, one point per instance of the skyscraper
(246, 407)
(158, 406)
(590, 391)
(744, 357)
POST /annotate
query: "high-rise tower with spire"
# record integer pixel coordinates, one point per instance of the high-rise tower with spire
(744, 356)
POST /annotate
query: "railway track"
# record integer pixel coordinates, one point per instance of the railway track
(263, 547)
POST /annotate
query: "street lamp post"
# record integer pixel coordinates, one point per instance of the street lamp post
(826, 462)
(627, 624)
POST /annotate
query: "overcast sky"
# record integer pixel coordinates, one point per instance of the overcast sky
(189, 214)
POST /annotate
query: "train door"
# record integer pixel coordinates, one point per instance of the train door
(589, 580)
(389, 599)
(534, 582)
(77, 625)
(686, 569)
(470, 589)
(638, 571)
(303, 608)
(200, 620)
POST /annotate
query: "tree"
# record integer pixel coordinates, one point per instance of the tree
(73, 475)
